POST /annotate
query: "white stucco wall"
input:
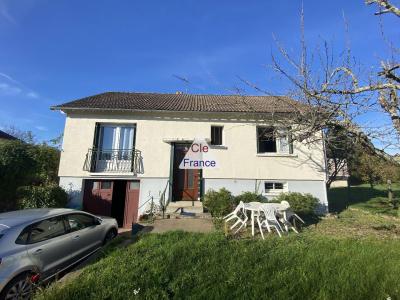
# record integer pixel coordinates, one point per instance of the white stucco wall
(238, 161)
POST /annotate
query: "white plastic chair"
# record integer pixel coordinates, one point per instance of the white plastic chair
(235, 215)
(287, 215)
(269, 221)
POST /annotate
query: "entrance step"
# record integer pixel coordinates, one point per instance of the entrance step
(185, 204)
(182, 207)
(187, 215)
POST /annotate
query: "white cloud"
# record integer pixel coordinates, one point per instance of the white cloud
(32, 95)
(11, 87)
(4, 13)
(41, 128)
(9, 90)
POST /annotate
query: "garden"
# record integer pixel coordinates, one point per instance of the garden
(352, 253)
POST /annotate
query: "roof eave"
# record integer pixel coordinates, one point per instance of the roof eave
(162, 110)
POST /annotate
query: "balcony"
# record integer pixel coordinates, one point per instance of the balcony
(114, 161)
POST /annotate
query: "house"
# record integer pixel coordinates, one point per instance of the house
(6, 136)
(121, 150)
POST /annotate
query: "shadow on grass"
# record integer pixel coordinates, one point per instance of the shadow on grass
(371, 199)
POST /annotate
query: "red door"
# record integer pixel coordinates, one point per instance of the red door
(185, 182)
(98, 197)
(131, 203)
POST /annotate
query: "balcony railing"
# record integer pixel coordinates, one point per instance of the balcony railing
(114, 160)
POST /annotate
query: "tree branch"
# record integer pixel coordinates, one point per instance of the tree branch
(386, 5)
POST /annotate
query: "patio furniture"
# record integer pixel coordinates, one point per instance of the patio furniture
(235, 215)
(269, 221)
(254, 208)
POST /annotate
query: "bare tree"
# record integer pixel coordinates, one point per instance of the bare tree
(339, 92)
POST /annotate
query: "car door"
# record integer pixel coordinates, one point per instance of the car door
(48, 245)
(85, 234)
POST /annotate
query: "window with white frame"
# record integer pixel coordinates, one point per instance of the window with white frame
(274, 187)
(273, 140)
(116, 138)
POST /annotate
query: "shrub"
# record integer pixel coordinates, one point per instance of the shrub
(218, 203)
(42, 196)
(304, 204)
(247, 197)
(17, 168)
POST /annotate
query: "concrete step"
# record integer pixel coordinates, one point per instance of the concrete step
(186, 204)
(185, 209)
(190, 216)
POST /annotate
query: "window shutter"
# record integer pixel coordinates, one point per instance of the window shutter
(95, 148)
(283, 135)
(290, 142)
(96, 136)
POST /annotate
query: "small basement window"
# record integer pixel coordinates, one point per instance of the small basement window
(273, 187)
(216, 135)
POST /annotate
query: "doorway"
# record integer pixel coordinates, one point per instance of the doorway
(118, 201)
(185, 181)
(113, 198)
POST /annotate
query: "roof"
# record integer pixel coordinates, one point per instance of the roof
(4, 135)
(181, 102)
(18, 217)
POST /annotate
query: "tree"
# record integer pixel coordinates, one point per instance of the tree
(24, 136)
(340, 150)
(336, 90)
(17, 168)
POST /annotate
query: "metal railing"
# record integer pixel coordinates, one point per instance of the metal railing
(114, 160)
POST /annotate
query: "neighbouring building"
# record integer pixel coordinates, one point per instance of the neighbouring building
(6, 136)
(122, 149)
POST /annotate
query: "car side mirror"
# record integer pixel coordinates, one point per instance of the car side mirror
(97, 221)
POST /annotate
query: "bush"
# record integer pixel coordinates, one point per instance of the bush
(17, 168)
(42, 196)
(304, 204)
(218, 203)
(247, 197)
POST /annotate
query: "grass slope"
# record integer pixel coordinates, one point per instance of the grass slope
(209, 266)
(364, 197)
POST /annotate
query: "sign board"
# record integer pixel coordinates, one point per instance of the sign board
(198, 156)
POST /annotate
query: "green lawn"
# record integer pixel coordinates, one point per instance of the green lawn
(352, 255)
(364, 197)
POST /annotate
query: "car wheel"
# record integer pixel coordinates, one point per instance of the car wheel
(109, 236)
(20, 287)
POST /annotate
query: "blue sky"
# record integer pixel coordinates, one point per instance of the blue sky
(55, 51)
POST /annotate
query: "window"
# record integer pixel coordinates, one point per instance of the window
(23, 237)
(46, 230)
(96, 185)
(106, 185)
(216, 135)
(273, 140)
(79, 221)
(274, 187)
(266, 141)
(134, 185)
(113, 138)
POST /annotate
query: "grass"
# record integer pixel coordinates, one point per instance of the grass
(208, 266)
(364, 197)
(349, 255)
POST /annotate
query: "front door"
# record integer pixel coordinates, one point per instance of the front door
(131, 203)
(98, 197)
(185, 181)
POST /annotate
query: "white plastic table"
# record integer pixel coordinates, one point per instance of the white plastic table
(252, 207)
(256, 206)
